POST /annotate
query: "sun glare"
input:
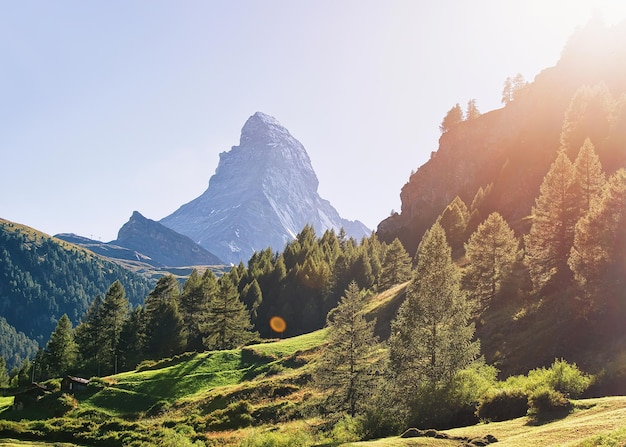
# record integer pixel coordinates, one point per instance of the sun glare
(278, 324)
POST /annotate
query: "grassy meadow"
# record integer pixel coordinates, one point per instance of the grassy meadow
(258, 396)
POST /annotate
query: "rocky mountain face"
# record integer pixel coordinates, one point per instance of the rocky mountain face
(262, 194)
(508, 151)
(162, 244)
(147, 241)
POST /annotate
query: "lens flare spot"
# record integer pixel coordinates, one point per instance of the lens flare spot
(278, 324)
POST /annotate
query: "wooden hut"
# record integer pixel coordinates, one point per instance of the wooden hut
(72, 384)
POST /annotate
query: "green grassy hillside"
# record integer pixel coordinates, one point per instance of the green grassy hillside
(262, 395)
(213, 397)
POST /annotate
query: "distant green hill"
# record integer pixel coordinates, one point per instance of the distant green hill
(15, 346)
(42, 277)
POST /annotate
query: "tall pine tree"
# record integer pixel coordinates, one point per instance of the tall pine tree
(492, 251)
(165, 328)
(589, 179)
(396, 266)
(551, 235)
(228, 325)
(598, 255)
(195, 302)
(88, 336)
(113, 312)
(348, 365)
(132, 343)
(61, 350)
(431, 337)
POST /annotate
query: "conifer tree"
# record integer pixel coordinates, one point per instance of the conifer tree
(588, 117)
(589, 179)
(598, 255)
(165, 327)
(512, 88)
(228, 325)
(452, 118)
(113, 312)
(552, 232)
(396, 267)
(431, 338)
(472, 110)
(132, 343)
(195, 302)
(88, 336)
(253, 297)
(61, 349)
(4, 375)
(613, 154)
(492, 251)
(348, 365)
(454, 222)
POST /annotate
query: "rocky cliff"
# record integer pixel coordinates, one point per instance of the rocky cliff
(512, 148)
(262, 194)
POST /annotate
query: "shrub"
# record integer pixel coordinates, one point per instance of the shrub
(567, 378)
(545, 404)
(503, 405)
(291, 438)
(235, 415)
(347, 429)
(561, 376)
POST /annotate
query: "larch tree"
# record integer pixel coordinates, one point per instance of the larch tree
(554, 218)
(132, 342)
(598, 255)
(492, 251)
(512, 88)
(396, 266)
(431, 337)
(472, 111)
(454, 221)
(589, 178)
(195, 302)
(113, 312)
(4, 375)
(165, 327)
(88, 336)
(348, 365)
(228, 325)
(587, 117)
(61, 350)
(452, 118)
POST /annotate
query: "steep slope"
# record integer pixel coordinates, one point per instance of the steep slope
(163, 245)
(42, 277)
(263, 192)
(513, 147)
(145, 240)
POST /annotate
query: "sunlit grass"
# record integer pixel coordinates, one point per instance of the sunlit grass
(5, 402)
(383, 298)
(290, 346)
(593, 423)
(16, 443)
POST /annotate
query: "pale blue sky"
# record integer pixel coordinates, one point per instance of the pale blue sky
(113, 106)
